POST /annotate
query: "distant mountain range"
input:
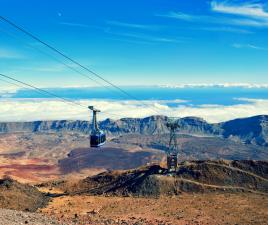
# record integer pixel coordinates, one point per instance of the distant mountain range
(252, 130)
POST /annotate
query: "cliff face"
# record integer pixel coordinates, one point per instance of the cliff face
(148, 125)
(197, 125)
(252, 130)
(45, 126)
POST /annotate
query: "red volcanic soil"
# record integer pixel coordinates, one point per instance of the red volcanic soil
(28, 170)
(79, 161)
(31, 167)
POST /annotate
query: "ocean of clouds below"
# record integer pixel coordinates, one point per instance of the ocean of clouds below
(52, 109)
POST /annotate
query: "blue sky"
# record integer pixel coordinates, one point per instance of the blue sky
(152, 42)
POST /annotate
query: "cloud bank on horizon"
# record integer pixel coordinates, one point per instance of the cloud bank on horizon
(51, 109)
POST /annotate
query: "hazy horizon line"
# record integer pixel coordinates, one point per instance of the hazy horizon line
(179, 85)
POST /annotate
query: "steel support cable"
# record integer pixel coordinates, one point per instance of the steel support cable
(59, 61)
(8, 82)
(42, 91)
(56, 59)
(73, 61)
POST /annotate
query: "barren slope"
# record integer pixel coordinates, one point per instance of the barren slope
(209, 208)
(14, 195)
(193, 176)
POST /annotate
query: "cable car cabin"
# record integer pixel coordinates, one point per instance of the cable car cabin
(97, 136)
(97, 139)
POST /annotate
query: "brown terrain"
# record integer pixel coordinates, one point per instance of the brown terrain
(39, 157)
(57, 176)
(184, 208)
(201, 192)
(209, 208)
(14, 195)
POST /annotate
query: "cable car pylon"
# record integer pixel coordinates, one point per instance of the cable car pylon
(97, 136)
(172, 153)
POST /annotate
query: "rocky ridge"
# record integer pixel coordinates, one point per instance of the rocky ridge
(207, 176)
(252, 130)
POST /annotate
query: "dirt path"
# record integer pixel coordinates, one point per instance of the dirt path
(237, 169)
(223, 188)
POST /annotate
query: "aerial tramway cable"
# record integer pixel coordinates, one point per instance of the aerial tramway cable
(74, 61)
(56, 59)
(99, 135)
(42, 91)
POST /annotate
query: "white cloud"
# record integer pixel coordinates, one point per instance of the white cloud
(250, 46)
(44, 109)
(148, 38)
(7, 91)
(249, 23)
(216, 85)
(132, 25)
(114, 23)
(181, 16)
(249, 13)
(255, 10)
(242, 14)
(133, 37)
(8, 88)
(227, 29)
